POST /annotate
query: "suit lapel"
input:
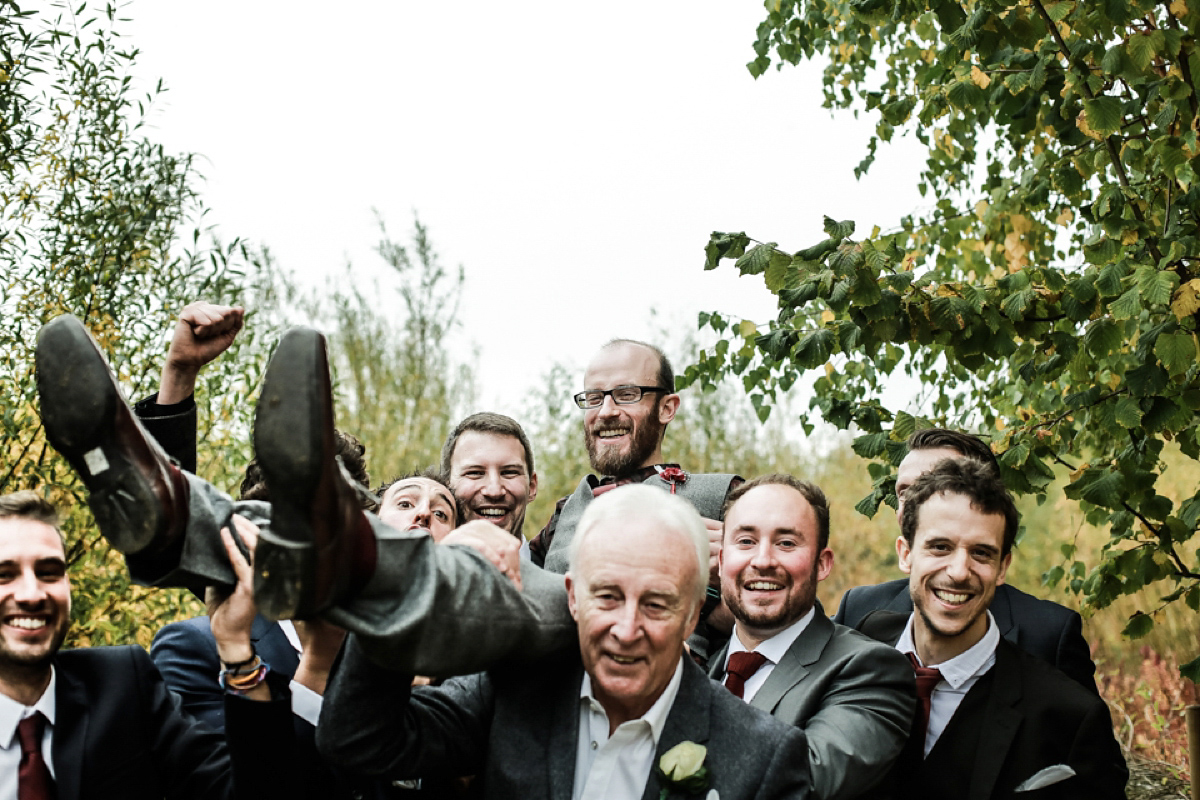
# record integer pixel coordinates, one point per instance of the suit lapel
(274, 646)
(687, 722)
(70, 732)
(901, 601)
(1001, 609)
(793, 667)
(563, 737)
(1001, 723)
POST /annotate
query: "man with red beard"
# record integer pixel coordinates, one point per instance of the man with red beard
(852, 696)
(628, 400)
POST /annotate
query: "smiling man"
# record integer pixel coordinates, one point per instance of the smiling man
(490, 464)
(1048, 630)
(99, 722)
(593, 722)
(851, 695)
(991, 720)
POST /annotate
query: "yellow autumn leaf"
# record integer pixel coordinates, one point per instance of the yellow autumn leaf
(981, 208)
(1129, 237)
(826, 317)
(1187, 299)
(1021, 224)
(1178, 8)
(980, 78)
(747, 329)
(1065, 217)
(1082, 123)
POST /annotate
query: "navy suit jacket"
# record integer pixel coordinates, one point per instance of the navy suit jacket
(518, 729)
(1043, 628)
(118, 732)
(1034, 718)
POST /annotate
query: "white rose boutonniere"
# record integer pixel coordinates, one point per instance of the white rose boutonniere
(681, 769)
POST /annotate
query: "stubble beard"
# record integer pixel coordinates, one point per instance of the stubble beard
(792, 610)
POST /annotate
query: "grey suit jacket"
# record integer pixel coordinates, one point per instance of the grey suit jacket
(519, 730)
(851, 695)
(1043, 628)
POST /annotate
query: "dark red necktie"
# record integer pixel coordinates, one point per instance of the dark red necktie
(741, 666)
(927, 678)
(33, 776)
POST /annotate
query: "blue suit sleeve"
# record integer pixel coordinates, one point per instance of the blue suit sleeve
(186, 655)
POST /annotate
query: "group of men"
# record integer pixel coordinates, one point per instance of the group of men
(946, 684)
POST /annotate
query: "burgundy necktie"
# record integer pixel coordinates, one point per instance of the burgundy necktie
(33, 776)
(741, 666)
(927, 678)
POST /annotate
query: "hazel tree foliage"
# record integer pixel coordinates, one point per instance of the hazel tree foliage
(1048, 296)
(100, 221)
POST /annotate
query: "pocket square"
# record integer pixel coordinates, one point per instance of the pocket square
(1046, 777)
(712, 795)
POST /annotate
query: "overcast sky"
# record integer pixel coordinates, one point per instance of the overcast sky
(572, 157)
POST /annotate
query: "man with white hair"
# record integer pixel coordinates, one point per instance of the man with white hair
(626, 715)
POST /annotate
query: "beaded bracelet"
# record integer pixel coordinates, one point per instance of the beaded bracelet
(234, 683)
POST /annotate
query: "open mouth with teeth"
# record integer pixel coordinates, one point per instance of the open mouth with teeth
(27, 623)
(763, 586)
(612, 433)
(950, 597)
(491, 513)
(623, 660)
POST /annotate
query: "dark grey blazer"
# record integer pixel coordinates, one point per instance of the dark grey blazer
(851, 695)
(1052, 632)
(518, 729)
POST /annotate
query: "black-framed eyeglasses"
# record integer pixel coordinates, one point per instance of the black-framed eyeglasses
(621, 395)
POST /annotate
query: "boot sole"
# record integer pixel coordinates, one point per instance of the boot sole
(288, 443)
(79, 400)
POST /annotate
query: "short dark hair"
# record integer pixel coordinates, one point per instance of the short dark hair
(976, 481)
(351, 451)
(666, 375)
(28, 504)
(429, 473)
(806, 489)
(487, 422)
(965, 444)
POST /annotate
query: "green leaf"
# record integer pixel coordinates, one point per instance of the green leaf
(1139, 625)
(1128, 413)
(1176, 351)
(1140, 49)
(1103, 114)
(755, 262)
(1103, 336)
(1191, 670)
(905, 425)
(818, 251)
(1127, 305)
(780, 274)
(839, 230)
(1156, 285)
(870, 445)
(724, 245)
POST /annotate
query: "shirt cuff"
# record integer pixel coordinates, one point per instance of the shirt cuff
(306, 704)
(150, 407)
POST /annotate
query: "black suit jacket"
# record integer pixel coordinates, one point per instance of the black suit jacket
(1034, 717)
(1043, 628)
(118, 732)
(518, 730)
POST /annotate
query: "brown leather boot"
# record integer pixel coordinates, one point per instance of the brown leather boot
(319, 548)
(139, 498)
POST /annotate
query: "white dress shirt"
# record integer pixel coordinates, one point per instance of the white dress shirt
(959, 674)
(617, 767)
(774, 649)
(306, 704)
(11, 714)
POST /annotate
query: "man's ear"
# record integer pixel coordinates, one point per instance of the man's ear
(571, 596)
(667, 408)
(1004, 562)
(532, 486)
(824, 564)
(904, 554)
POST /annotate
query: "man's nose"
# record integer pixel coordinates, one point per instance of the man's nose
(29, 589)
(421, 515)
(628, 623)
(492, 485)
(608, 407)
(959, 568)
(764, 555)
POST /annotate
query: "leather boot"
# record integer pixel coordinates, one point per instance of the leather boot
(139, 498)
(319, 547)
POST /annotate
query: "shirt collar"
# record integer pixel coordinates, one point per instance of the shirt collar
(777, 646)
(637, 476)
(970, 663)
(656, 716)
(12, 712)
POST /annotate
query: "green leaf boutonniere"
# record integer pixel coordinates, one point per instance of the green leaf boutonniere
(681, 769)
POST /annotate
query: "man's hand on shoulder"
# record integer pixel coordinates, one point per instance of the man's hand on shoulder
(203, 332)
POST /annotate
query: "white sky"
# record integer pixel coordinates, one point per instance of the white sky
(573, 157)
